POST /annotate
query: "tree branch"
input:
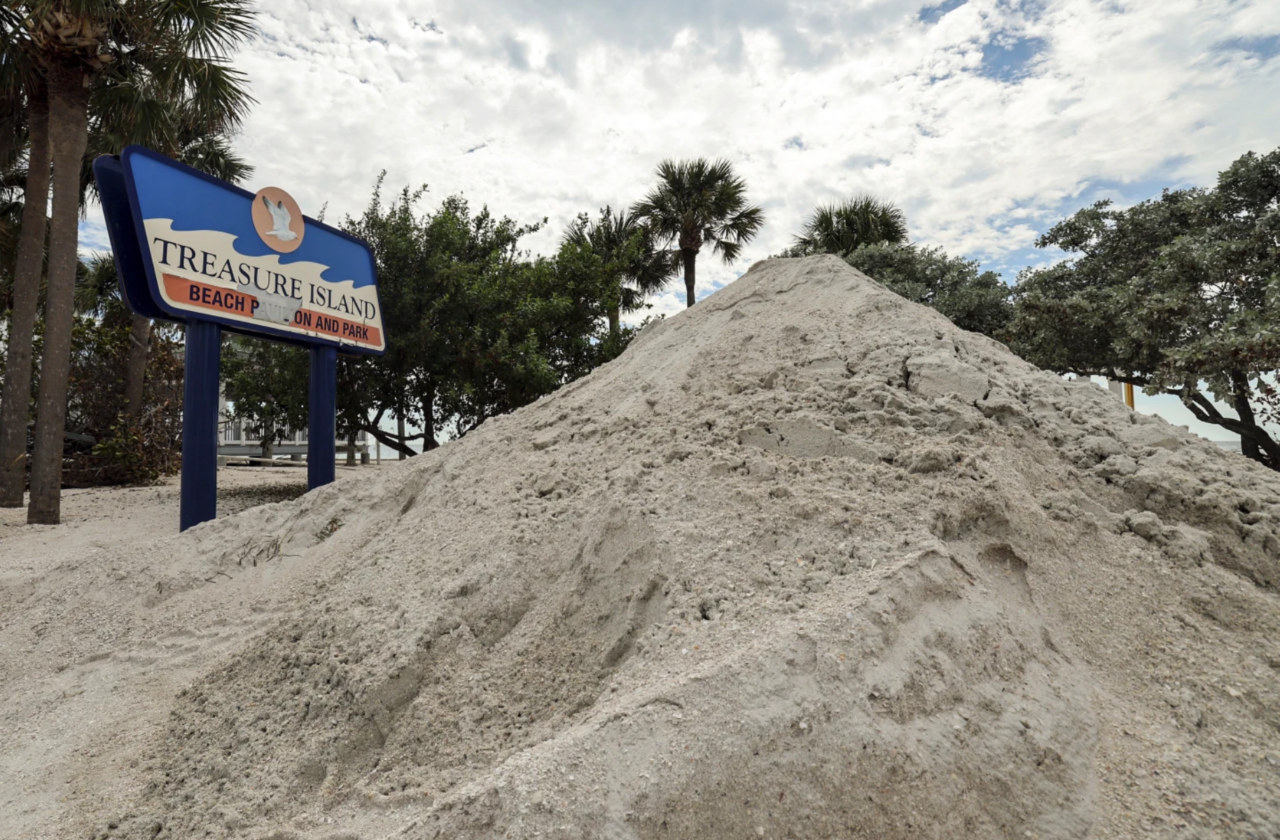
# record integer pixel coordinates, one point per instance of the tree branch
(393, 441)
(1203, 409)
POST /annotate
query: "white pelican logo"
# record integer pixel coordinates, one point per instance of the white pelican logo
(280, 220)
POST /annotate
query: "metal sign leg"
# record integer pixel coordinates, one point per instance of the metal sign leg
(322, 416)
(200, 424)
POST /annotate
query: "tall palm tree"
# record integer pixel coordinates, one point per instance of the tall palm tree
(171, 52)
(842, 228)
(699, 203)
(626, 247)
(97, 289)
(26, 99)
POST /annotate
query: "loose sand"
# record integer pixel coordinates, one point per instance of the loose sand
(807, 561)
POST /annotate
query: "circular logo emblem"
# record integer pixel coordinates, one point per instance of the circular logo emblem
(278, 219)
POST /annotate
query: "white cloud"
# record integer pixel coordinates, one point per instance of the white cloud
(546, 109)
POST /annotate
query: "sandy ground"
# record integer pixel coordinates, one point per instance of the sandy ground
(38, 776)
(806, 561)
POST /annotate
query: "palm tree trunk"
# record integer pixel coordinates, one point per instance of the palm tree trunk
(15, 404)
(690, 257)
(614, 319)
(68, 135)
(136, 367)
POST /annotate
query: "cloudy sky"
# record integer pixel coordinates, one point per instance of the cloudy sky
(985, 120)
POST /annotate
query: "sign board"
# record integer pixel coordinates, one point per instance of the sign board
(252, 263)
(194, 249)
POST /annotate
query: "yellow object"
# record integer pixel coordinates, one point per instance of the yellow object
(1128, 394)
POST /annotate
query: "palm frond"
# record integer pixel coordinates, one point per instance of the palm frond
(700, 202)
(844, 227)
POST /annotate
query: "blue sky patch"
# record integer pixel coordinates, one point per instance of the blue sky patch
(1261, 46)
(933, 14)
(1006, 59)
(1122, 193)
(794, 143)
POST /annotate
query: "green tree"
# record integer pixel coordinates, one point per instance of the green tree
(267, 385)
(698, 203)
(1178, 295)
(845, 227)
(634, 267)
(973, 299)
(125, 106)
(403, 381)
(179, 48)
(105, 446)
(475, 327)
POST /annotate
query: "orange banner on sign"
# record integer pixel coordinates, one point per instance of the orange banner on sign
(190, 293)
(309, 319)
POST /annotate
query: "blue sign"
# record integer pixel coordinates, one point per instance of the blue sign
(194, 249)
(252, 263)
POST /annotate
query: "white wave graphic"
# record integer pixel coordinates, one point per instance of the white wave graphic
(273, 307)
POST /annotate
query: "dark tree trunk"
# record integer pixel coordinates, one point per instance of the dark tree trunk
(68, 135)
(429, 420)
(136, 367)
(400, 433)
(614, 319)
(1248, 446)
(1255, 442)
(351, 449)
(1251, 447)
(690, 258)
(15, 404)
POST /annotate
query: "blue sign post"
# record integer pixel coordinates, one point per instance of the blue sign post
(200, 251)
(322, 413)
(200, 424)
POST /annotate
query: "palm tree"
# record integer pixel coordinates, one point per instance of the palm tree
(626, 247)
(27, 101)
(169, 52)
(842, 228)
(697, 203)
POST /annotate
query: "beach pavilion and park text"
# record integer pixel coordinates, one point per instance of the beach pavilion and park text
(202, 270)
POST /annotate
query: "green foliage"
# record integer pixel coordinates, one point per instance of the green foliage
(699, 203)
(104, 447)
(475, 327)
(125, 449)
(267, 386)
(845, 227)
(629, 259)
(974, 300)
(1179, 295)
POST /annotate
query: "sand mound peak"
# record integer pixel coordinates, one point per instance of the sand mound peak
(806, 561)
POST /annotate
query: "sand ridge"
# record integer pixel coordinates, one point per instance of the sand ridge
(806, 561)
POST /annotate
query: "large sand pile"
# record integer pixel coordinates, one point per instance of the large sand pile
(807, 561)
